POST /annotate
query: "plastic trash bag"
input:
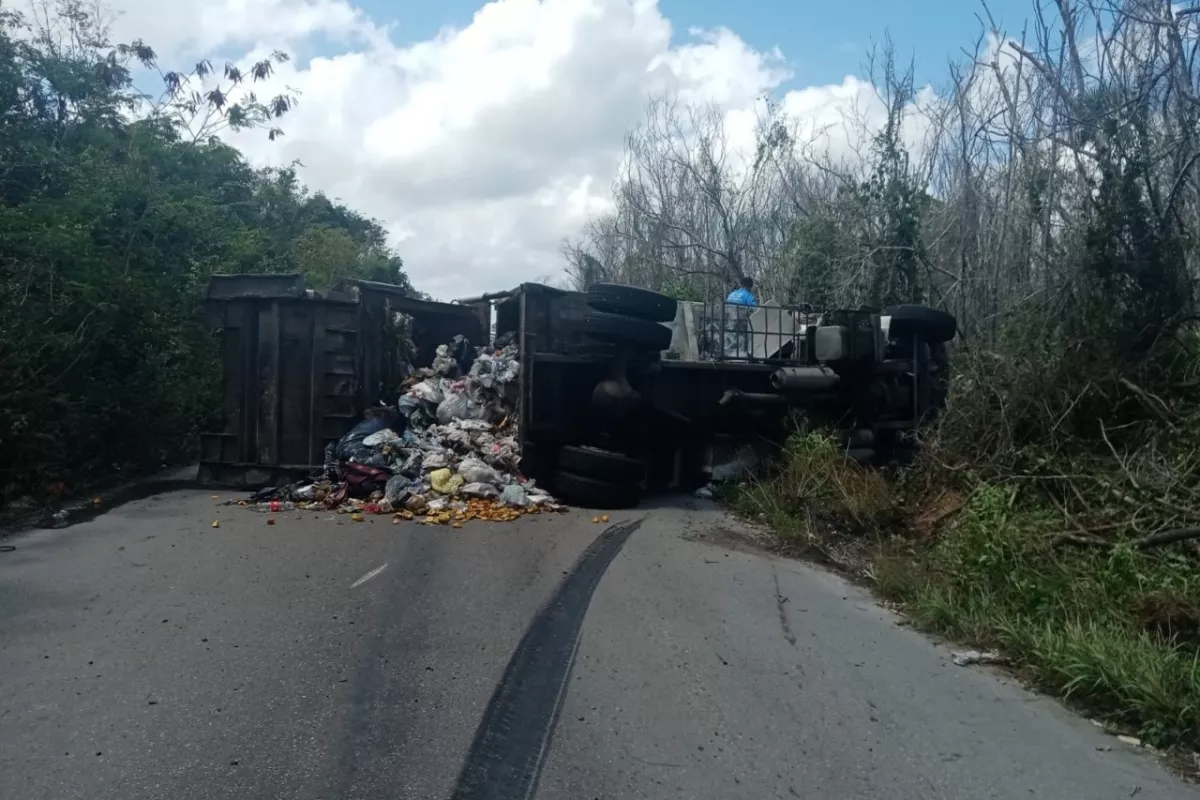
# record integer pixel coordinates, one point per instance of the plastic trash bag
(459, 439)
(446, 482)
(411, 466)
(408, 404)
(514, 495)
(380, 438)
(435, 460)
(492, 371)
(444, 363)
(484, 490)
(458, 406)
(463, 353)
(397, 490)
(352, 446)
(428, 392)
(474, 470)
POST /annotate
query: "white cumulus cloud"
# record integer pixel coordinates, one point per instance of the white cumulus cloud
(481, 148)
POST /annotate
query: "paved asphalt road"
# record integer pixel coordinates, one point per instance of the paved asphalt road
(147, 655)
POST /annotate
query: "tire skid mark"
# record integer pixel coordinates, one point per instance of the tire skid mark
(510, 746)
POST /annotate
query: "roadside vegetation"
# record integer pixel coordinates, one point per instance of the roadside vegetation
(1048, 195)
(117, 202)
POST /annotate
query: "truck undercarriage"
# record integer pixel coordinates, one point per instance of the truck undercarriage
(631, 389)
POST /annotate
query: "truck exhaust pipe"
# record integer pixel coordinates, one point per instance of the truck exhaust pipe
(804, 379)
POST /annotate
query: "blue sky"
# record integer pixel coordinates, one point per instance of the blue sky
(487, 156)
(822, 41)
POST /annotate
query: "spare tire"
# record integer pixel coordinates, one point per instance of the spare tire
(632, 302)
(618, 329)
(932, 324)
(606, 465)
(591, 493)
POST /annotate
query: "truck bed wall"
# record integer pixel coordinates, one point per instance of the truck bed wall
(297, 372)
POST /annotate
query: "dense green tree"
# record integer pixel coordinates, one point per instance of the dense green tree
(115, 210)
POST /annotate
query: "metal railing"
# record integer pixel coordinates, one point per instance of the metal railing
(753, 334)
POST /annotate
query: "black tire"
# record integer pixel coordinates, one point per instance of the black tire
(617, 329)
(605, 465)
(931, 324)
(861, 455)
(591, 493)
(631, 301)
(860, 437)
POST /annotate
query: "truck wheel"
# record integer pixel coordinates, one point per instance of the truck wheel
(602, 464)
(932, 324)
(632, 302)
(618, 329)
(861, 455)
(591, 493)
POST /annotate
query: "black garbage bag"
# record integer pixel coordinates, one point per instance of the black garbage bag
(463, 353)
(351, 447)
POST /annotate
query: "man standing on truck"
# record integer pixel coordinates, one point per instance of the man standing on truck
(744, 294)
(737, 340)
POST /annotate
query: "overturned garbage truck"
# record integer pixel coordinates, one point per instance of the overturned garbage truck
(605, 394)
(624, 390)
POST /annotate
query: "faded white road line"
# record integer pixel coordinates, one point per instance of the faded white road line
(368, 576)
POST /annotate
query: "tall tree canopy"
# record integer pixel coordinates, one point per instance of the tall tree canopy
(115, 209)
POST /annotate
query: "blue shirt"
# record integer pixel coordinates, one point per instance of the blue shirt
(742, 296)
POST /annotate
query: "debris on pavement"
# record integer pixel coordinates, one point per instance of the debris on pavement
(965, 658)
(446, 453)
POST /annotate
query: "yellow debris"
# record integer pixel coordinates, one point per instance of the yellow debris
(604, 518)
(488, 510)
(356, 517)
(216, 523)
(445, 482)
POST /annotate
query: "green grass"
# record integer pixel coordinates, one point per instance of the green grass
(817, 499)
(1116, 631)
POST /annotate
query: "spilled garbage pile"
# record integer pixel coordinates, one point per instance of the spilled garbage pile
(446, 453)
